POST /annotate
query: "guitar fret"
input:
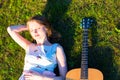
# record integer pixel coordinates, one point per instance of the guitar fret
(85, 72)
(84, 57)
(84, 66)
(84, 62)
(85, 44)
(85, 35)
(85, 49)
(84, 52)
(85, 29)
(85, 32)
(85, 69)
(85, 40)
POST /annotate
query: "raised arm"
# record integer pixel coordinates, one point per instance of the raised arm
(14, 33)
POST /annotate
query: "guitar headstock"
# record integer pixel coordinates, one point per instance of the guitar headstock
(86, 22)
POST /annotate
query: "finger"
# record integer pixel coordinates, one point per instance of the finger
(27, 76)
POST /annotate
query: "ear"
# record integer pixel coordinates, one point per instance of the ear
(48, 32)
(46, 29)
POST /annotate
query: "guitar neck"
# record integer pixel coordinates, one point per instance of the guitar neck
(84, 56)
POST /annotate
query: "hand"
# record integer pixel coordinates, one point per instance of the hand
(33, 76)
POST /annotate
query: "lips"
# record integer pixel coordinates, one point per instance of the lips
(37, 35)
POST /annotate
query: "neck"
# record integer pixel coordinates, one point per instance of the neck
(45, 42)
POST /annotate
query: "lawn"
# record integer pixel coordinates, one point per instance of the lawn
(65, 16)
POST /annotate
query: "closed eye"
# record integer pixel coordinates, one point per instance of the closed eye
(39, 28)
(31, 30)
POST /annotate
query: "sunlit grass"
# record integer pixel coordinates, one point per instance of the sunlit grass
(65, 16)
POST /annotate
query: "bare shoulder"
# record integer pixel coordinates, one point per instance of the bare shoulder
(60, 51)
(59, 47)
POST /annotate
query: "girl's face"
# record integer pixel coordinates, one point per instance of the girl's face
(37, 31)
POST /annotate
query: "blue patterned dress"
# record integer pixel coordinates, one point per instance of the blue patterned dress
(40, 58)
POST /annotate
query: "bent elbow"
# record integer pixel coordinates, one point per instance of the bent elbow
(8, 29)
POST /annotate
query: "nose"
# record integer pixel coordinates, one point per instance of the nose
(35, 31)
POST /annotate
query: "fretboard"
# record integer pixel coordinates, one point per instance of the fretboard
(84, 56)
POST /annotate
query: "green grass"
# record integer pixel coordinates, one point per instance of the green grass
(65, 17)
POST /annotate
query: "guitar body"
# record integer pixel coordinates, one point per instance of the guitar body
(93, 74)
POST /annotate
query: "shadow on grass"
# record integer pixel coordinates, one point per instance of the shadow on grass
(101, 53)
(101, 56)
(55, 11)
(118, 25)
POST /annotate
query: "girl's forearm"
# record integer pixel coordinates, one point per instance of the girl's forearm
(18, 28)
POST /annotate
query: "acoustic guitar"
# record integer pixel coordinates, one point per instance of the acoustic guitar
(85, 73)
